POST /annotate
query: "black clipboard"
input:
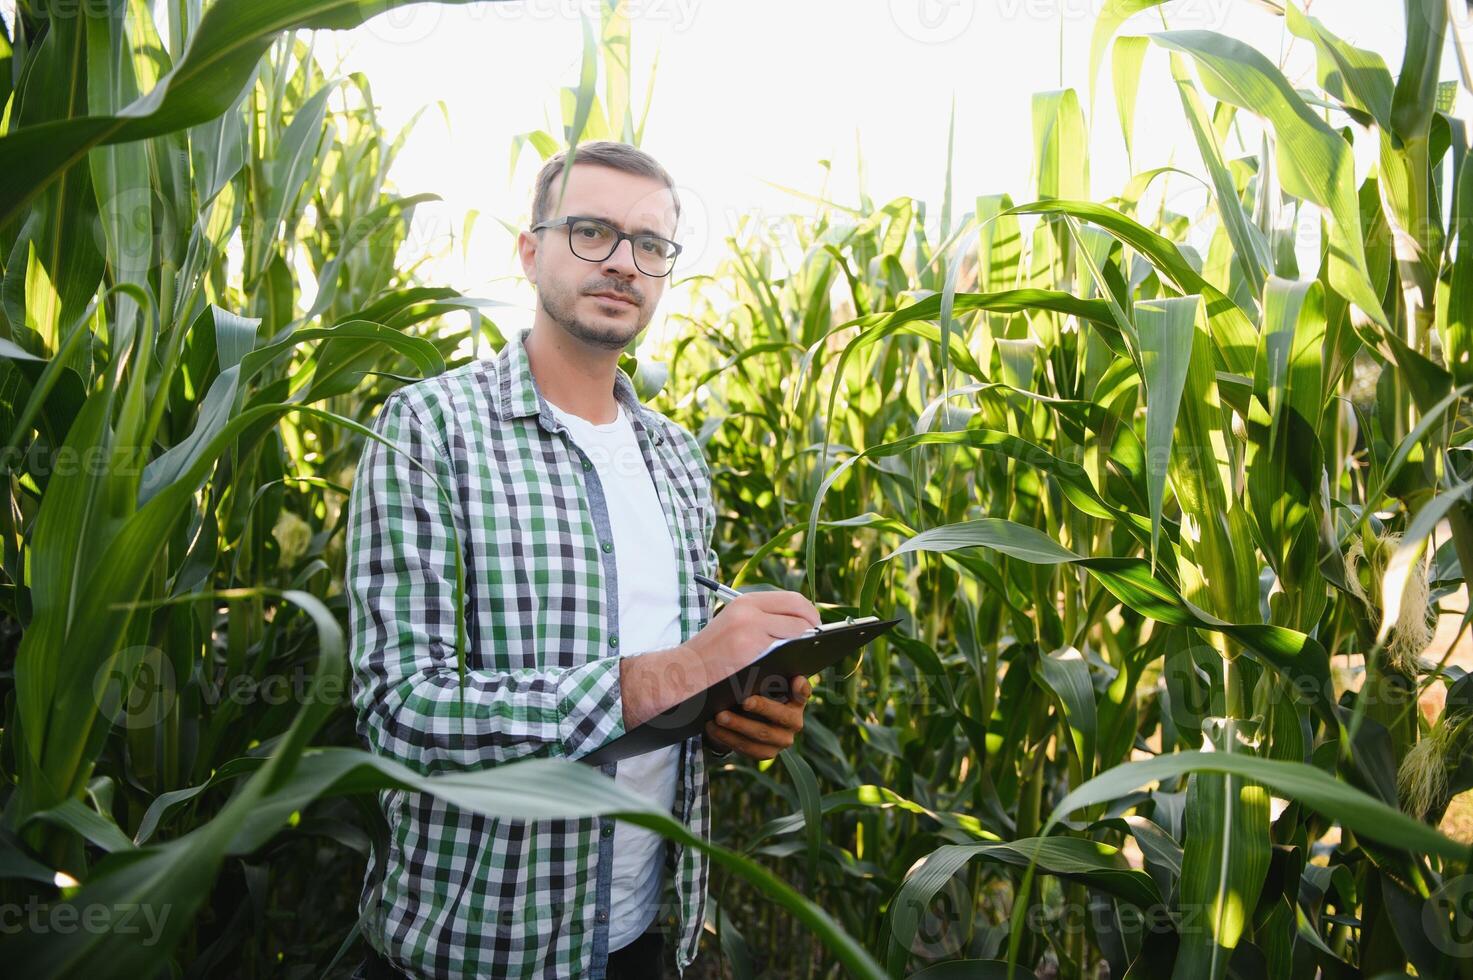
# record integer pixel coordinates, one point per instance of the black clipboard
(806, 654)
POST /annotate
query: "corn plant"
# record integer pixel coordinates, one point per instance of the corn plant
(204, 303)
(1168, 527)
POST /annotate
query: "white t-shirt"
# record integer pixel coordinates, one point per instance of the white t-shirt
(649, 619)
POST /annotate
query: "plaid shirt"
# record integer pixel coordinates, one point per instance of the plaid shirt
(464, 894)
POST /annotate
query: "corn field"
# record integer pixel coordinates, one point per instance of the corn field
(1168, 512)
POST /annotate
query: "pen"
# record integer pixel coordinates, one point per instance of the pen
(728, 593)
(725, 591)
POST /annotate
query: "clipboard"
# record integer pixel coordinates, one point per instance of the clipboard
(807, 653)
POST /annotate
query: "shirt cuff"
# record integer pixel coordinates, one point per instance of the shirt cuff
(590, 707)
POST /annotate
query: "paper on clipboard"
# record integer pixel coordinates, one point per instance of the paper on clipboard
(818, 630)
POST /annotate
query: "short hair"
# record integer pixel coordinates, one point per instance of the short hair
(605, 153)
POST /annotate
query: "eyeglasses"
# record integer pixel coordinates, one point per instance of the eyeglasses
(593, 241)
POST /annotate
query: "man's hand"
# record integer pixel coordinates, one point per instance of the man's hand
(761, 739)
(736, 635)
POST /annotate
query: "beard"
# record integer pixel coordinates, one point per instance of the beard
(611, 334)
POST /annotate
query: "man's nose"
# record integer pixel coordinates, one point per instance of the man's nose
(621, 260)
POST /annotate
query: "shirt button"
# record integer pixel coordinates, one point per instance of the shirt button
(608, 830)
(614, 639)
(603, 916)
(587, 465)
(608, 546)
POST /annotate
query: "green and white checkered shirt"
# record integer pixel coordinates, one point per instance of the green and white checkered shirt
(465, 894)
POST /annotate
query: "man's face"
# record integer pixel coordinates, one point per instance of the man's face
(569, 287)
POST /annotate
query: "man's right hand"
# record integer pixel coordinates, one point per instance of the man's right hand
(746, 626)
(735, 637)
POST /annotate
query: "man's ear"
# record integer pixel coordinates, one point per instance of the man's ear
(527, 252)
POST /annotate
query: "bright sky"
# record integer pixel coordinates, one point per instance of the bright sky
(761, 91)
(754, 94)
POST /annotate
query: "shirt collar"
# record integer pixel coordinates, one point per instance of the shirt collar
(518, 396)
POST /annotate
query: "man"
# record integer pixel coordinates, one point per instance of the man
(582, 517)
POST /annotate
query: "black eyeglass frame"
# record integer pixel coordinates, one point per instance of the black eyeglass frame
(620, 235)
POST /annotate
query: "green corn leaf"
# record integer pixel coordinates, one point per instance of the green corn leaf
(1249, 246)
(1111, 16)
(1314, 161)
(1284, 455)
(1070, 858)
(177, 874)
(1355, 76)
(1066, 673)
(1314, 788)
(1125, 65)
(1232, 330)
(1300, 658)
(1415, 98)
(808, 798)
(223, 51)
(1224, 861)
(1166, 329)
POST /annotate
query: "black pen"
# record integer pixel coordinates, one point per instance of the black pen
(728, 593)
(725, 591)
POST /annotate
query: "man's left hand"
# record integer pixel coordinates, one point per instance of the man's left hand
(767, 734)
